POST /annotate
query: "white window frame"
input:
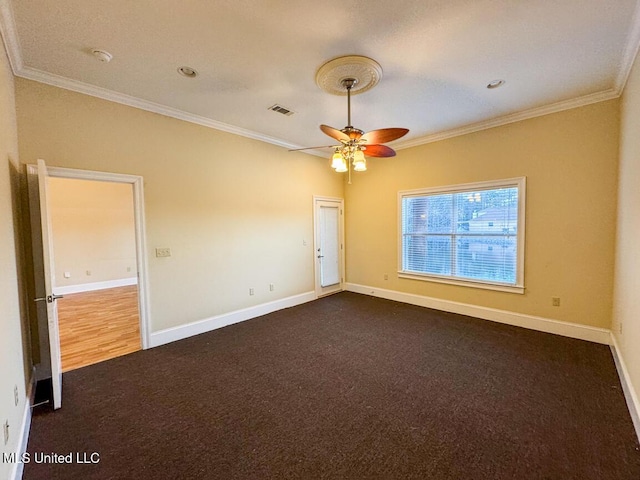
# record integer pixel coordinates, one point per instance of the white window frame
(518, 182)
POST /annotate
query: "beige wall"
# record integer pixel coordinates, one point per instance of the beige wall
(93, 231)
(626, 312)
(570, 161)
(14, 370)
(234, 211)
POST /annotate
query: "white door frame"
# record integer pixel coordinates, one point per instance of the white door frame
(41, 179)
(141, 242)
(339, 202)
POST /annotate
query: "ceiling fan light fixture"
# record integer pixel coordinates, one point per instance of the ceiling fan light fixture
(342, 166)
(360, 166)
(346, 76)
(359, 162)
(337, 160)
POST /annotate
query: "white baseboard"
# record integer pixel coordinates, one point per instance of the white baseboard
(195, 328)
(18, 467)
(90, 287)
(566, 329)
(630, 393)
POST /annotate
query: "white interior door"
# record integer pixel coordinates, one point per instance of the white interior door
(50, 298)
(329, 250)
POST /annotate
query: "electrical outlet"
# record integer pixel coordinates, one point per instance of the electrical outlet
(6, 431)
(67, 275)
(16, 396)
(386, 276)
(272, 287)
(163, 252)
(555, 301)
(620, 328)
(88, 272)
(251, 291)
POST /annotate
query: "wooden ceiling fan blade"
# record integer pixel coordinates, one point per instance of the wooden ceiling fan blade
(378, 151)
(384, 135)
(311, 148)
(334, 133)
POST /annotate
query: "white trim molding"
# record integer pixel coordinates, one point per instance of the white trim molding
(18, 467)
(124, 99)
(213, 323)
(9, 34)
(137, 183)
(15, 473)
(520, 183)
(630, 393)
(630, 51)
(93, 286)
(14, 52)
(541, 324)
(513, 118)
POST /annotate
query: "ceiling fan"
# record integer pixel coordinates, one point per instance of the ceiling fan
(355, 144)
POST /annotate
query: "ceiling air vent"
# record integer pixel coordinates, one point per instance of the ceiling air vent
(281, 109)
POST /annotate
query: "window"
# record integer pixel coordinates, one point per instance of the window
(470, 234)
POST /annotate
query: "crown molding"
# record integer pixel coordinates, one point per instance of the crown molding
(106, 94)
(630, 51)
(9, 34)
(512, 118)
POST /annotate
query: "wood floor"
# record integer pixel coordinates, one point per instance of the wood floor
(96, 326)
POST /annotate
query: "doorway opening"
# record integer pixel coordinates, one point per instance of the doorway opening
(48, 367)
(96, 275)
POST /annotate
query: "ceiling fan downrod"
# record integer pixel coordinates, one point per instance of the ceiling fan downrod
(349, 83)
(353, 133)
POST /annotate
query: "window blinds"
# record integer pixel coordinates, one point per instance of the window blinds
(471, 234)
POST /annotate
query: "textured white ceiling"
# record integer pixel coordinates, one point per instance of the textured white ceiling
(437, 58)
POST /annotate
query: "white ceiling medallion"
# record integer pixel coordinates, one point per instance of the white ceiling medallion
(365, 71)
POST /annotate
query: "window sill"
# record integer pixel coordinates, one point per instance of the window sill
(519, 289)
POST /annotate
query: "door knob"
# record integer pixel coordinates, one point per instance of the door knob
(48, 298)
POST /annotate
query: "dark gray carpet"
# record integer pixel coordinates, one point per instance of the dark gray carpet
(347, 387)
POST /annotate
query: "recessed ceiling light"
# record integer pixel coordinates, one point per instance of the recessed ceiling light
(102, 55)
(187, 72)
(495, 84)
